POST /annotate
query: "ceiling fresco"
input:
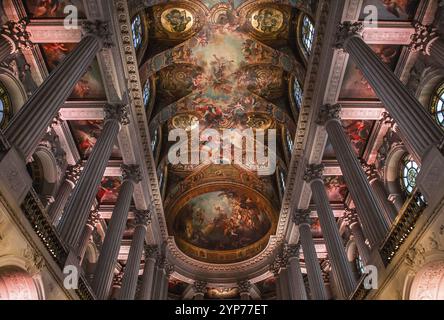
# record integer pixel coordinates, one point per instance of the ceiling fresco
(336, 189)
(90, 85)
(393, 10)
(359, 132)
(109, 190)
(52, 8)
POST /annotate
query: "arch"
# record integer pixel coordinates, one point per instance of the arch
(90, 258)
(429, 83)
(48, 177)
(428, 283)
(17, 284)
(391, 169)
(16, 90)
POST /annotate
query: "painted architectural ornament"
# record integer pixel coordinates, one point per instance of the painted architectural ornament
(177, 20)
(267, 20)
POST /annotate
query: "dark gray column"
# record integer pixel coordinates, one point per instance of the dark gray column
(429, 42)
(352, 221)
(93, 220)
(71, 178)
(13, 38)
(199, 288)
(314, 274)
(415, 122)
(29, 125)
(77, 211)
(244, 287)
(333, 242)
(114, 233)
(294, 273)
(380, 193)
(129, 283)
(146, 290)
(374, 224)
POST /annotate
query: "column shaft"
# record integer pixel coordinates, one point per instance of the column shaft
(5, 49)
(437, 51)
(381, 195)
(29, 125)
(296, 280)
(84, 240)
(129, 282)
(374, 224)
(63, 194)
(415, 123)
(333, 240)
(80, 203)
(113, 239)
(314, 273)
(146, 291)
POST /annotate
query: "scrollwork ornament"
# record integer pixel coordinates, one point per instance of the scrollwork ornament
(328, 113)
(346, 31)
(314, 172)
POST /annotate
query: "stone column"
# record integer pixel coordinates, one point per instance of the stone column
(333, 242)
(380, 193)
(169, 269)
(29, 125)
(314, 273)
(114, 233)
(13, 38)
(244, 287)
(275, 269)
(129, 283)
(93, 220)
(146, 290)
(159, 273)
(429, 42)
(71, 178)
(374, 224)
(415, 122)
(295, 278)
(352, 221)
(116, 285)
(199, 288)
(77, 211)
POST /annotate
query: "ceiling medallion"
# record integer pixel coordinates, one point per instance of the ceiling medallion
(259, 121)
(267, 20)
(185, 121)
(177, 20)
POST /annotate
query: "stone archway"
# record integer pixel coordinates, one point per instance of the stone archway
(17, 284)
(428, 283)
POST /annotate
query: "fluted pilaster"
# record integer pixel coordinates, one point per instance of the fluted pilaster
(199, 289)
(129, 284)
(93, 220)
(244, 287)
(314, 273)
(77, 211)
(113, 238)
(29, 125)
(415, 123)
(374, 224)
(333, 242)
(146, 290)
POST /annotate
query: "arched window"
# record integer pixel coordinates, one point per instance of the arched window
(282, 180)
(146, 93)
(5, 106)
(307, 34)
(290, 142)
(136, 27)
(154, 141)
(298, 93)
(437, 107)
(409, 172)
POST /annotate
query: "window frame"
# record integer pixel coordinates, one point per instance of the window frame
(137, 39)
(5, 111)
(438, 98)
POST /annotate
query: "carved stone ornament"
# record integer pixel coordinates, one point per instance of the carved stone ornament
(302, 216)
(142, 218)
(131, 173)
(16, 34)
(100, 30)
(328, 113)
(244, 286)
(117, 112)
(151, 251)
(34, 261)
(423, 38)
(200, 287)
(314, 172)
(346, 31)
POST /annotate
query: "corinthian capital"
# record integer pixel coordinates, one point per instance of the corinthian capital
(423, 38)
(16, 34)
(346, 31)
(73, 173)
(244, 286)
(370, 170)
(142, 218)
(314, 172)
(131, 173)
(200, 287)
(351, 216)
(151, 251)
(302, 216)
(328, 113)
(117, 112)
(292, 251)
(99, 29)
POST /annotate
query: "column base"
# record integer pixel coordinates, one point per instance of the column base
(15, 181)
(431, 177)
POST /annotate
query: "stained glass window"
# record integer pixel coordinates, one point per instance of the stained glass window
(282, 180)
(146, 93)
(136, 27)
(5, 106)
(298, 93)
(290, 142)
(308, 32)
(409, 172)
(438, 105)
